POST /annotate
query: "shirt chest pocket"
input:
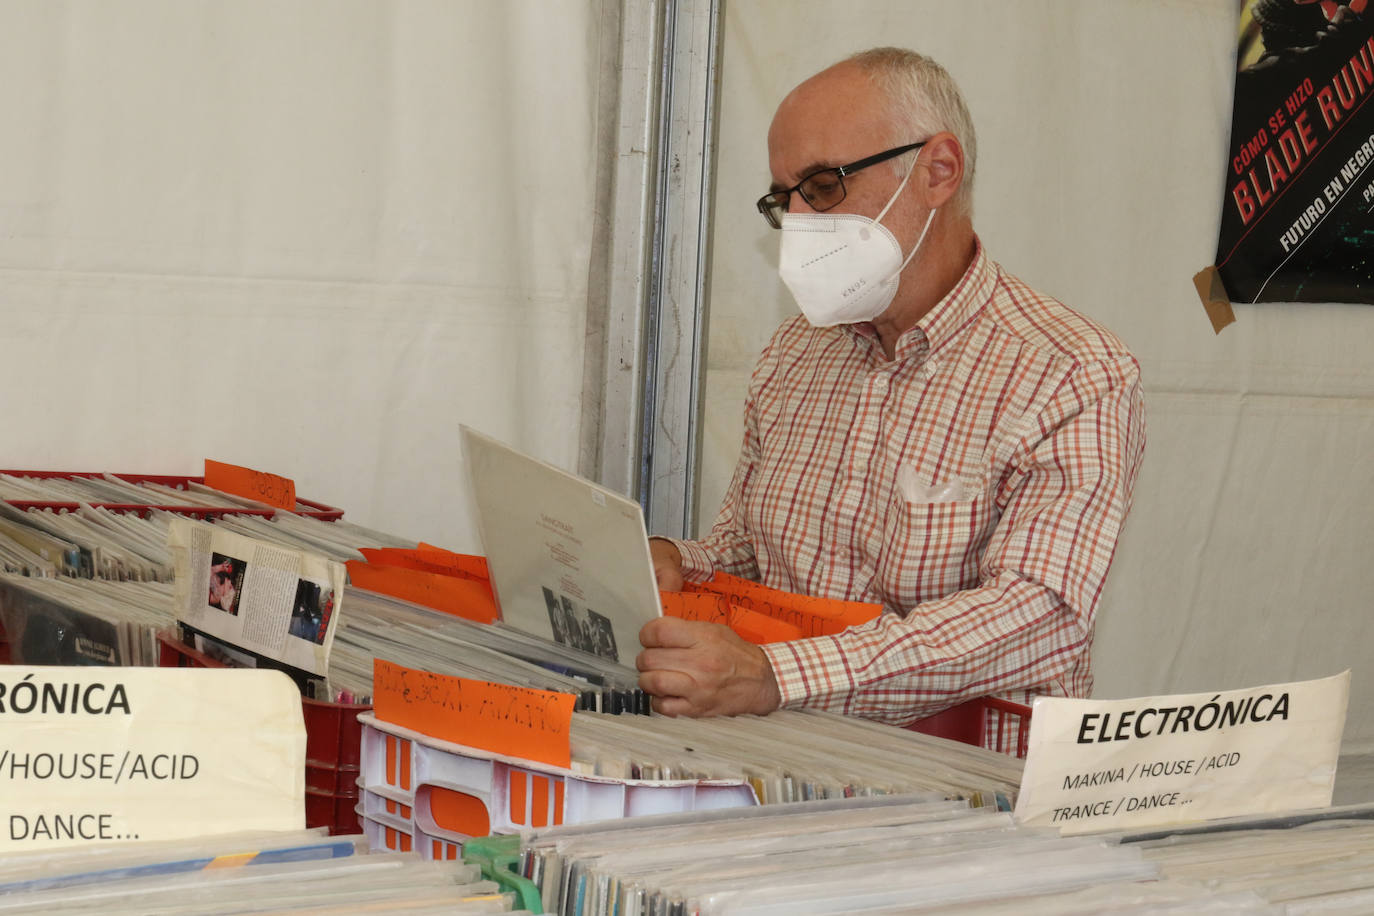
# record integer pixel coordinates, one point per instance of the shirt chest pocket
(932, 543)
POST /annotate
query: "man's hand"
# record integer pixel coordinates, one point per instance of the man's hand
(693, 668)
(667, 564)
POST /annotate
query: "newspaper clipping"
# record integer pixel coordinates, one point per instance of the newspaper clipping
(261, 597)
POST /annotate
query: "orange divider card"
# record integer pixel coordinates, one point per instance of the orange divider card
(695, 606)
(815, 616)
(429, 559)
(515, 721)
(761, 629)
(260, 485)
(466, 598)
(464, 564)
(753, 626)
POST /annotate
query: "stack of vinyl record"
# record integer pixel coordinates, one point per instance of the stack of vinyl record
(93, 542)
(83, 621)
(895, 855)
(847, 856)
(92, 586)
(796, 755)
(297, 872)
(379, 626)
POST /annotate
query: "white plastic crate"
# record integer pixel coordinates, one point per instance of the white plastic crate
(437, 847)
(387, 830)
(383, 802)
(457, 792)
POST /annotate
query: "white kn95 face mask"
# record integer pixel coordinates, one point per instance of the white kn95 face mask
(843, 268)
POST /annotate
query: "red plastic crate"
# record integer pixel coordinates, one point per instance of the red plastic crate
(333, 741)
(330, 780)
(310, 508)
(337, 812)
(975, 721)
(333, 737)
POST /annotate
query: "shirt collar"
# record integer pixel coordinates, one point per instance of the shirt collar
(949, 316)
(942, 323)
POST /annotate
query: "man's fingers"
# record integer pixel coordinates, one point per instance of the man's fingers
(667, 564)
(666, 683)
(696, 668)
(672, 633)
(674, 706)
(669, 578)
(665, 660)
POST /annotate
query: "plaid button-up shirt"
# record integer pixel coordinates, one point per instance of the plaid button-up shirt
(974, 486)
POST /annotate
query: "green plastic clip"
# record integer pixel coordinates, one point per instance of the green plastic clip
(499, 857)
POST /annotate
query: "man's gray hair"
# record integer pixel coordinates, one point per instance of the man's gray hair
(925, 100)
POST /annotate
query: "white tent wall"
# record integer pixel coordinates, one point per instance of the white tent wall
(1102, 134)
(309, 237)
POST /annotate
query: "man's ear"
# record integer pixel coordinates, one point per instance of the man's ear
(942, 165)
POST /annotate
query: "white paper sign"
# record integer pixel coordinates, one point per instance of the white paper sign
(100, 754)
(1097, 765)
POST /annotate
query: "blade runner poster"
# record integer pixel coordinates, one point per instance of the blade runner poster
(1298, 211)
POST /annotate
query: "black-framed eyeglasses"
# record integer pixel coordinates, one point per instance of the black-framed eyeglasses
(823, 189)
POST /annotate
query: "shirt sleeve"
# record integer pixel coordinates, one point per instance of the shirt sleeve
(1030, 619)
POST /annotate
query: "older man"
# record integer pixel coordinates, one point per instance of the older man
(930, 434)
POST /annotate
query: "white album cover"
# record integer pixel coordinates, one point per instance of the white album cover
(569, 559)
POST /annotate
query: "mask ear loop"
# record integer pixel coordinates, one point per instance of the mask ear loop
(929, 219)
(897, 193)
